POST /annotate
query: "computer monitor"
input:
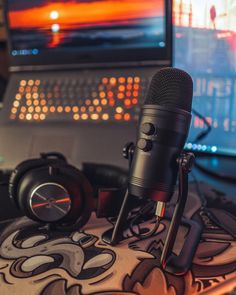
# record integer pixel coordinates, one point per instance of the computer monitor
(205, 46)
(94, 31)
(138, 30)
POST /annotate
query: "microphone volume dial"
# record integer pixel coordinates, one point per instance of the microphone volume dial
(148, 129)
(144, 144)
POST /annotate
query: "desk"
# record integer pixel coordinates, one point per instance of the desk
(46, 262)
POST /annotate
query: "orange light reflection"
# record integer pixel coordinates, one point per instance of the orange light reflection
(81, 14)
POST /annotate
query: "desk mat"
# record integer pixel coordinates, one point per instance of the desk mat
(37, 261)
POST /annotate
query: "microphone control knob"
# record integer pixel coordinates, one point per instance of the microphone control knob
(148, 129)
(144, 144)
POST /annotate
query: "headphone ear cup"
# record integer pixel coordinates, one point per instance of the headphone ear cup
(18, 174)
(78, 198)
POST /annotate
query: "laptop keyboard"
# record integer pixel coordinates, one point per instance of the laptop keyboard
(114, 98)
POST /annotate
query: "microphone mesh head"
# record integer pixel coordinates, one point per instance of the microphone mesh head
(171, 87)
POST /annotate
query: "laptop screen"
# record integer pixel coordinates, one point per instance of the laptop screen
(43, 31)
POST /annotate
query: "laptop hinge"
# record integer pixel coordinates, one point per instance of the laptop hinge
(160, 63)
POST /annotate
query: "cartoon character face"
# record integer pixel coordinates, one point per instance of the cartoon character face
(46, 262)
(35, 257)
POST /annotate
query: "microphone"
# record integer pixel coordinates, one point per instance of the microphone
(156, 161)
(163, 129)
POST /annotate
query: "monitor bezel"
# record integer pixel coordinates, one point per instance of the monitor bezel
(105, 56)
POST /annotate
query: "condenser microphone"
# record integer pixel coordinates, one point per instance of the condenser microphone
(163, 130)
(155, 162)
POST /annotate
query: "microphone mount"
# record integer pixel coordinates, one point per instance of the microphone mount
(170, 262)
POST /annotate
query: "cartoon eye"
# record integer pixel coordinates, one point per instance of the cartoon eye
(32, 241)
(87, 241)
(35, 262)
(84, 240)
(102, 260)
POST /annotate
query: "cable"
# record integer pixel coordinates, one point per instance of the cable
(148, 208)
(198, 190)
(149, 233)
(200, 137)
(215, 174)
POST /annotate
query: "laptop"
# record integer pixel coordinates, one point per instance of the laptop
(79, 71)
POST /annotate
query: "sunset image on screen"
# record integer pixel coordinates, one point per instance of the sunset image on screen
(56, 21)
(76, 14)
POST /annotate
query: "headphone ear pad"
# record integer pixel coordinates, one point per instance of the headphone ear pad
(18, 174)
(25, 186)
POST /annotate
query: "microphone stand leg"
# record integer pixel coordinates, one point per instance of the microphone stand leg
(114, 235)
(170, 262)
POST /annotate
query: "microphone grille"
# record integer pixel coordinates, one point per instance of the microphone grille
(171, 87)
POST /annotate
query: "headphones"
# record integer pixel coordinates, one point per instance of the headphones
(50, 190)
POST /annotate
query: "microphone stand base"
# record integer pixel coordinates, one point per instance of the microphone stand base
(175, 264)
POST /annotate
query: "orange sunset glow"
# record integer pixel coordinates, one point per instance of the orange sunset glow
(76, 14)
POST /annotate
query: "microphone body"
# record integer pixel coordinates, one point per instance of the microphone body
(161, 137)
(164, 126)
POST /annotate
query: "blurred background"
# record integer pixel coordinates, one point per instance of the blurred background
(205, 46)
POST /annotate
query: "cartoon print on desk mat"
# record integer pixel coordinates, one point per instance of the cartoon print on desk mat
(44, 262)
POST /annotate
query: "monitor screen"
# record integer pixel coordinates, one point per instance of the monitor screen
(47, 28)
(205, 46)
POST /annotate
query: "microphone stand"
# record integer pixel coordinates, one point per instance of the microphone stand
(170, 262)
(180, 264)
